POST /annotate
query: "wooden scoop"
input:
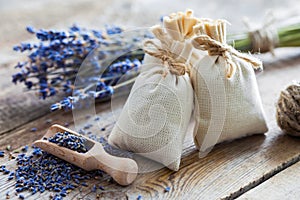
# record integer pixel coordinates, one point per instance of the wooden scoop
(122, 170)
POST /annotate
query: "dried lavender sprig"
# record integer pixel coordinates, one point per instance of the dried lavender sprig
(104, 88)
(82, 100)
(288, 32)
(54, 62)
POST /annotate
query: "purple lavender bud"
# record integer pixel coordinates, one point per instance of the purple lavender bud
(17, 48)
(30, 29)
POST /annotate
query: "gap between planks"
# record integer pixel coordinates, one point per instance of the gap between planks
(284, 185)
(264, 178)
(234, 155)
(228, 171)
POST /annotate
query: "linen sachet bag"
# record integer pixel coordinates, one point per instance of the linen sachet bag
(156, 115)
(227, 101)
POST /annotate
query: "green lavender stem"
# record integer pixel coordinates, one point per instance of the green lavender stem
(289, 36)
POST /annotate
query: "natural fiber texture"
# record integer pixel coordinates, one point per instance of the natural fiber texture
(265, 38)
(228, 104)
(167, 58)
(288, 110)
(155, 118)
(216, 48)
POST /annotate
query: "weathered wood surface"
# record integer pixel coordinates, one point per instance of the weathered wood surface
(230, 170)
(284, 185)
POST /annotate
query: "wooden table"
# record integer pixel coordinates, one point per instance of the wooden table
(256, 167)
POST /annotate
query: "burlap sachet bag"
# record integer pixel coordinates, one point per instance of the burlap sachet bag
(155, 117)
(228, 104)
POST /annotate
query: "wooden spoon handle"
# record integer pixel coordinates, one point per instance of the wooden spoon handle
(122, 170)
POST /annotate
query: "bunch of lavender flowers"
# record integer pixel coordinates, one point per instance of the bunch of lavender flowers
(53, 64)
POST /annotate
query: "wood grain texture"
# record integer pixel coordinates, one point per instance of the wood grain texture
(227, 172)
(284, 185)
(230, 170)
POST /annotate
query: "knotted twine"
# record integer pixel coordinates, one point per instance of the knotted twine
(265, 38)
(176, 67)
(216, 48)
(288, 110)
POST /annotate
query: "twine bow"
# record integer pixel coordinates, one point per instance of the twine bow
(167, 57)
(216, 48)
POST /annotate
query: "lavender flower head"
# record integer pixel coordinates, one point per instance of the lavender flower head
(54, 63)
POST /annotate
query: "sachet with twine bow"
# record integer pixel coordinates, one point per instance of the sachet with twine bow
(228, 103)
(156, 115)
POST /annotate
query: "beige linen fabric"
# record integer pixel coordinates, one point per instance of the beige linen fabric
(228, 101)
(155, 117)
(180, 25)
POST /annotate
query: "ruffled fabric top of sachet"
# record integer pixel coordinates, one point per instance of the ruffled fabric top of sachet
(184, 27)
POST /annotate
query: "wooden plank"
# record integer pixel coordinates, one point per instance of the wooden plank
(227, 172)
(284, 185)
(18, 109)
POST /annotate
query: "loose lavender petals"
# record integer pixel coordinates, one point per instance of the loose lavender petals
(40, 171)
(167, 189)
(35, 171)
(33, 129)
(69, 141)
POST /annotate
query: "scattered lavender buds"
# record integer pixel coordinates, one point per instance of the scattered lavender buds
(34, 172)
(94, 188)
(101, 187)
(25, 148)
(4, 170)
(70, 141)
(33, 129)
(167, 189)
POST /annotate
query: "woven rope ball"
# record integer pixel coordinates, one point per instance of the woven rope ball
(288, 110)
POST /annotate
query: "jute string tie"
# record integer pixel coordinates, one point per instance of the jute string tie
(216, 48)
(265, 38)
(167, 57)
